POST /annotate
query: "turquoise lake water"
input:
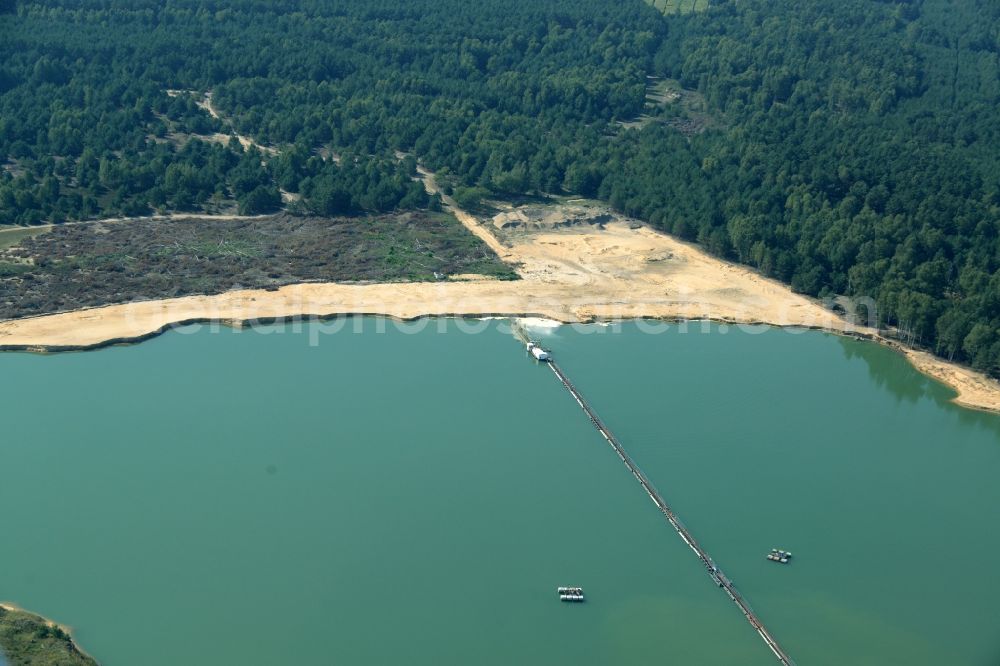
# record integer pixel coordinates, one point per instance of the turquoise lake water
(415, 496)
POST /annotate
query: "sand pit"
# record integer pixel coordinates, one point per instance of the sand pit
(572, 274)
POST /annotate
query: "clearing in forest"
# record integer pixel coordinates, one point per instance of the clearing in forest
(679, 6)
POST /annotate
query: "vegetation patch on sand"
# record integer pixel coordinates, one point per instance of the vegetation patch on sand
(31, 640)
(13, 236)
(670, 103)
(88, 265)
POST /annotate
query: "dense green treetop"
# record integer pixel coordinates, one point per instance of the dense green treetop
(476, 87)
(861, 155)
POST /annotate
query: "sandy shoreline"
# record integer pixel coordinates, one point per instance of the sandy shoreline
(14, 608)
(975, 390)
(577, 274)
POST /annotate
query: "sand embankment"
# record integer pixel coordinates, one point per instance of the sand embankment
(975, 390)
(571, 275)
(577, 274)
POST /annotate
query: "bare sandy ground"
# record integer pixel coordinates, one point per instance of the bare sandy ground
(113, 220)
(570, 275)
(577, 274)
(245, 141)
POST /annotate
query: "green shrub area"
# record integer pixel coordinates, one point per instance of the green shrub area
(86, 265)
(28, 640)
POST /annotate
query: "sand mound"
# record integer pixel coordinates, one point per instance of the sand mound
(552, 217)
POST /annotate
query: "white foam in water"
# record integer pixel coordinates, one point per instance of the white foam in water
(540, 325)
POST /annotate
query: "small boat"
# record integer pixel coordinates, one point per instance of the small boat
(778, 555)
(570, 594)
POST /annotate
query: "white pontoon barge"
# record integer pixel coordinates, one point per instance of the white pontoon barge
(539, 353)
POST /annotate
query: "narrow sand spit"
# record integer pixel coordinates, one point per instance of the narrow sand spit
(975, 389)
(576, 274)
